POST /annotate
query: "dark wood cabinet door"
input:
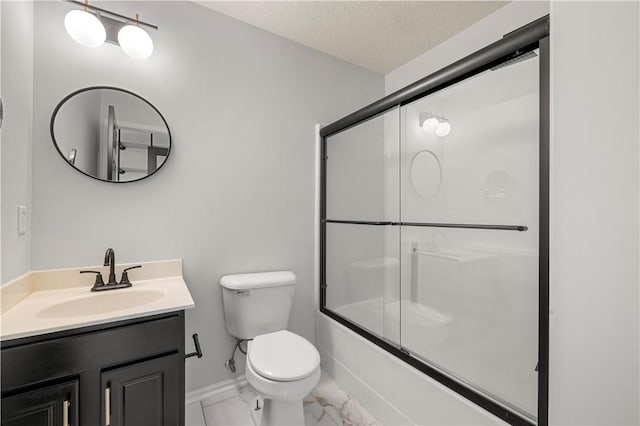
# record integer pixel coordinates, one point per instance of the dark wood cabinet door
(54, 405)
(143, 394)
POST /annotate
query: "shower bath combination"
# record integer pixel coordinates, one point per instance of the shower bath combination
(434, 246)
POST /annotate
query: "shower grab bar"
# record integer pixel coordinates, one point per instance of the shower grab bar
(520, 228)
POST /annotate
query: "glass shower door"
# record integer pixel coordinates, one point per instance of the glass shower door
(469, 234)
(361, 233)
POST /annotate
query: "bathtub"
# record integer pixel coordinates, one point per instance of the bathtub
(420, 322)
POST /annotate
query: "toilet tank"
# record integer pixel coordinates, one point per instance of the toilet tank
(257, 303)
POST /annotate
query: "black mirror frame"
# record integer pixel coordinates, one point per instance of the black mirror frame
(86, 89)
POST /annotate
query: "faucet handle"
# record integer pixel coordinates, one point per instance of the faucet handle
(99, 282)
(125, 275)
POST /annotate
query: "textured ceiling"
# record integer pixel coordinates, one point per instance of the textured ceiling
(377, 35)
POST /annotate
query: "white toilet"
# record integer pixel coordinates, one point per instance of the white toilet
(281, 366)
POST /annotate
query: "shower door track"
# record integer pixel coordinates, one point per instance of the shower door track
(534, 35)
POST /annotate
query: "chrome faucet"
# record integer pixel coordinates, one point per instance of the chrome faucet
(110, 261)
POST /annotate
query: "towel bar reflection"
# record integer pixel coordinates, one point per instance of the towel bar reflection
(435, 254)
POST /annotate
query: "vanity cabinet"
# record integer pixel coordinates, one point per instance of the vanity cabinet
(123, 373)
(143, 394)
(55, 405)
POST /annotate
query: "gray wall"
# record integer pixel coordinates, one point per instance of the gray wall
(17, 96)
(237, 193)
(594, 345)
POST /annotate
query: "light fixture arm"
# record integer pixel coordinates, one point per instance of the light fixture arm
(123, 18)
(425, 115)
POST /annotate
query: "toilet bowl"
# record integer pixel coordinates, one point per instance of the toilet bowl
(282, 367)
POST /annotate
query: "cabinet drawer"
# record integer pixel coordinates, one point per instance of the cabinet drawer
(63, 356)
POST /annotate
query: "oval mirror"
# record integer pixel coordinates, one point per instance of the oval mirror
(426, 173)
(110, 134)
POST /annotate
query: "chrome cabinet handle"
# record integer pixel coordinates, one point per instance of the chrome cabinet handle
(65, 412)
(107, 406)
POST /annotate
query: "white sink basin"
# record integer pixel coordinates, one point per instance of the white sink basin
(100, 303)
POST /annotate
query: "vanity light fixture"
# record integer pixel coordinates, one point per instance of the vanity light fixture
(444, 128)
(93, 26)
(135, 41)
(85, 27)
(432, 123)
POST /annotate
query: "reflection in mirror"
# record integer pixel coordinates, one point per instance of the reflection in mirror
(426, 173)
(110, 134)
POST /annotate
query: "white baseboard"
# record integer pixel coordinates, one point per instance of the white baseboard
(217, 392)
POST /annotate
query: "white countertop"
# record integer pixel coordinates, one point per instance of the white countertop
(49, 310)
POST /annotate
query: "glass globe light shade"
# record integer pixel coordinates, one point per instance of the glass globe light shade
(135, 42)
(444, 128)
(85, 28)
(430, 124)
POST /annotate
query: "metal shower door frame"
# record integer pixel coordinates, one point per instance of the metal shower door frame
(521, 41)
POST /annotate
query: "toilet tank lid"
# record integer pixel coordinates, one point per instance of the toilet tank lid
(258, 280)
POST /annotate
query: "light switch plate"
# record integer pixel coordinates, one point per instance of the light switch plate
(22, 220)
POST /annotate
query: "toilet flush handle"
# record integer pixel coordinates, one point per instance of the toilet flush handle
(243, 293)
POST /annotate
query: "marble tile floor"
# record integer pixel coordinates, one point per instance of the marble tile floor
(328, 404)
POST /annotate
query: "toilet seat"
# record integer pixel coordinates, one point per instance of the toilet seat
(282, 356)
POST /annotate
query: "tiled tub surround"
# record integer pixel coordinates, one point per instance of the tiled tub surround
(328, 404)
(25, 299)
